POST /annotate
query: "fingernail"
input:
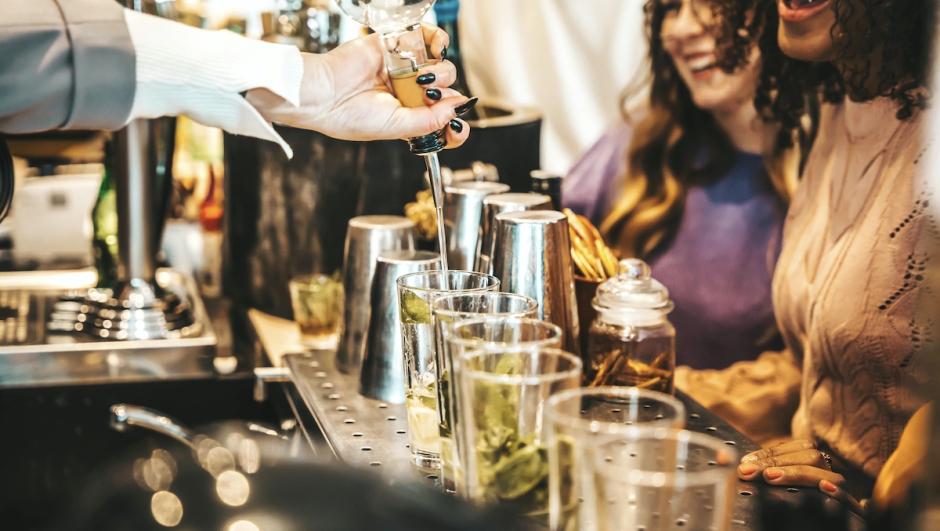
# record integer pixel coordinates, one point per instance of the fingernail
(443, 52)
(466, 106)
(749, 458)
(426, 79)
(747, 469)
(433, 94)
(773, 473)
(828, 486)
(456, 126)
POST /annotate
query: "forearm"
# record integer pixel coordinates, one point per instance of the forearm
(200, 74)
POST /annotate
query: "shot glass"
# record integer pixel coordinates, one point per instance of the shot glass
(577, 419)
(503, 394)
(658, 479)
(447, 311)
(318, 308)
(416, 292)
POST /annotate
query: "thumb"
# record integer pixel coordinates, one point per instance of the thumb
(419, 121)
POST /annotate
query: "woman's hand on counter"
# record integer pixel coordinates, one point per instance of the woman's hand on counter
(795, 463)
(347, 94)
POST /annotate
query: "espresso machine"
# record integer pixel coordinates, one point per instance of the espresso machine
(62, 327)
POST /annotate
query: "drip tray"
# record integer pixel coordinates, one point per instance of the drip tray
(39, 344)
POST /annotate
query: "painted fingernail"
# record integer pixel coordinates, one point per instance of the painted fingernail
(773, 473)
(466, 106)
(426, 79)
(456, 126)
(443, 52)
(433, 94)
(747, 469)
(828, 486)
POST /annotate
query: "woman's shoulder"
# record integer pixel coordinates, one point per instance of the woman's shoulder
(588, 184)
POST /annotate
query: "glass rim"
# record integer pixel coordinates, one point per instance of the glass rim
(553, 415)
(659, 478)
(522, 379)
(477, 344)
(401, 281)
(531, 303)
(303, 280)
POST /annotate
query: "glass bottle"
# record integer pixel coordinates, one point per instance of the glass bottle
(105, 221)
(632, 343)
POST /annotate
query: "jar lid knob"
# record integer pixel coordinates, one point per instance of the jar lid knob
(633, 269)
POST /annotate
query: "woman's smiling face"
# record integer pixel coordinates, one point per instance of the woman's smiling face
(806, 29)
(688, 40)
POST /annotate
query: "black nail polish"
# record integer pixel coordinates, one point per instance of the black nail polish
(433, 94)
(443, 53)
(464, 107)
(456, 126)
(426, 79)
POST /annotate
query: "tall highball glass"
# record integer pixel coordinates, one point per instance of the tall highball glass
(447, 311)
(661, 479)
(502, 399)
(577, 418)
(416, 293)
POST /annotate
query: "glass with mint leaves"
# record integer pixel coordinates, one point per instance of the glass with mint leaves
(416, 292)
(577, 419)
(488, 316)
(502, 400)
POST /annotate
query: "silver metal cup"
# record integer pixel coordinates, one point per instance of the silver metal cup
(366, 238)
(463, 208)
(533, 258)
(497, 204)
(383, 371)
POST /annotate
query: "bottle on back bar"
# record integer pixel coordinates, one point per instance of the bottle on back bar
(549, 184)
(447, 13)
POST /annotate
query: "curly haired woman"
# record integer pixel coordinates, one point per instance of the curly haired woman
(697, 178)
(850, 276)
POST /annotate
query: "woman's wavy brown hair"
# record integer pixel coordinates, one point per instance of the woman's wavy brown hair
(677, 145)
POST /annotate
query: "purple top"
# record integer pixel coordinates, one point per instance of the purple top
(719, 265)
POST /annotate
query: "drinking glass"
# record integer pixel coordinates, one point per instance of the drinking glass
(577, 418)
(446, 311)
(503, 394)
(318, 307)
(416, 292)
(659, 478)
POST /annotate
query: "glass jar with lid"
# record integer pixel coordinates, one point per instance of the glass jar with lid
(631, 343)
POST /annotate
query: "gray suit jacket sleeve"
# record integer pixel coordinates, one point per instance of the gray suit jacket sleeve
(64, 64)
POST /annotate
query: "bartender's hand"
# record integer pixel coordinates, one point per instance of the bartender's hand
(346, 93)
(798, 464)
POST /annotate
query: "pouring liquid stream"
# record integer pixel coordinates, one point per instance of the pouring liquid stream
(437, 191)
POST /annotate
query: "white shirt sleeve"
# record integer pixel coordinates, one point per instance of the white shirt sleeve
(200, 74)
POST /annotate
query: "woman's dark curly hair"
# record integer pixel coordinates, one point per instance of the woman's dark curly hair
(883, 48)
(662, 157)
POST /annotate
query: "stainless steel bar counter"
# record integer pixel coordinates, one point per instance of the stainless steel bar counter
(372, 434)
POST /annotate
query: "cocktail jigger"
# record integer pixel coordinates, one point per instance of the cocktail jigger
(366, 238)
(497, 204)
(383, 372)
(463, 208)
(533, 258)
